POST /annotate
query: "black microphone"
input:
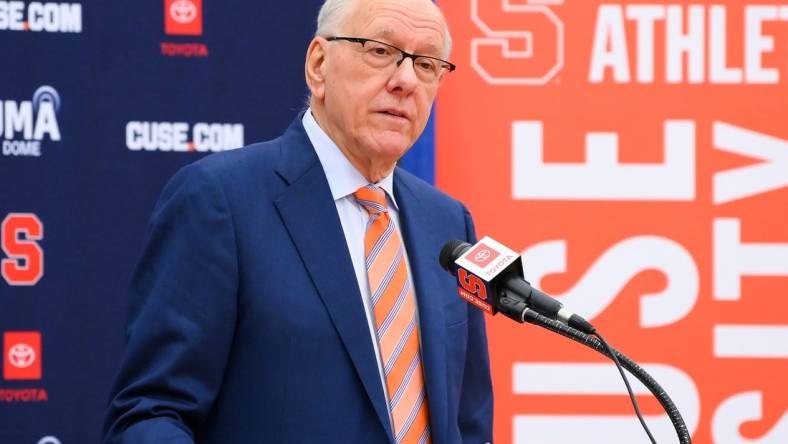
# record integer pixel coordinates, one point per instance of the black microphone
(490, 276)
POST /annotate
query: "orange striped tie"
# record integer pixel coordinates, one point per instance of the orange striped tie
(395, 320)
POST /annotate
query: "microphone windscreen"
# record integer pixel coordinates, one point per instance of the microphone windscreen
(451, 251)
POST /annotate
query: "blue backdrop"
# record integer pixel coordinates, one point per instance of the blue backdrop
(100, 103)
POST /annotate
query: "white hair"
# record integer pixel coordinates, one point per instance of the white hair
(334, 13)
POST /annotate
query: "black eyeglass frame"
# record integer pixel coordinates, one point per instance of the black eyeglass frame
(448, 65)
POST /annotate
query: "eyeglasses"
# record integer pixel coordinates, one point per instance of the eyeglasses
(381, 55)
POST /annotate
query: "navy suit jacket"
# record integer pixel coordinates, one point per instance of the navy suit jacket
(246, 323)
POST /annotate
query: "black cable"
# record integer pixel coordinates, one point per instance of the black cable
(626, 382)
(593, 342)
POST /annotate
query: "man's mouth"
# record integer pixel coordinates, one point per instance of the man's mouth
(395, 113)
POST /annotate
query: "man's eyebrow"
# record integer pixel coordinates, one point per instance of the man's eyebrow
(387, 34)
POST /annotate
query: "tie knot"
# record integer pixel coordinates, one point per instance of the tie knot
(372, 198)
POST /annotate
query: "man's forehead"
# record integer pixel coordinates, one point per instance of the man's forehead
(399, 22)
(390, 35)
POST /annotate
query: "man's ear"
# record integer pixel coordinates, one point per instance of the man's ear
(315, 66)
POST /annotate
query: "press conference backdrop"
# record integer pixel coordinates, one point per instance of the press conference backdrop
(636, 152)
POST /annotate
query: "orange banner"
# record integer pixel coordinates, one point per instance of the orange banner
(636, 153)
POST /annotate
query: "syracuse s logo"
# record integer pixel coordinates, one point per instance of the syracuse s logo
(521, 56)
(472, 284)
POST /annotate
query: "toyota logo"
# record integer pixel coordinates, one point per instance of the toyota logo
(183, 11)
(21, 355)
(482, 255)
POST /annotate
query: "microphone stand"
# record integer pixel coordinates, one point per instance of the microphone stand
(515, 308)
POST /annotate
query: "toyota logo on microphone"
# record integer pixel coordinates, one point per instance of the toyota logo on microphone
(21, 355)
(482, 255)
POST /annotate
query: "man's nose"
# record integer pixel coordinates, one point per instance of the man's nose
(404, 77)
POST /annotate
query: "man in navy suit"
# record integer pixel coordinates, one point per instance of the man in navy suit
(253, 316)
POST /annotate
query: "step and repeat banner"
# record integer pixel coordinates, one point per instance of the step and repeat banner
(100, 103)
(636, 153)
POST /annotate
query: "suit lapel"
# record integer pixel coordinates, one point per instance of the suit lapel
(309, 213)
(420, 243)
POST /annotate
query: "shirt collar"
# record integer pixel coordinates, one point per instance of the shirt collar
(343, 178)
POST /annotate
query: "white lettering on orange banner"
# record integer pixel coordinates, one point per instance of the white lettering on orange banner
(696, 34)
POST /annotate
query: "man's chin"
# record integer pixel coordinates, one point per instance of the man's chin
(392, 145)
